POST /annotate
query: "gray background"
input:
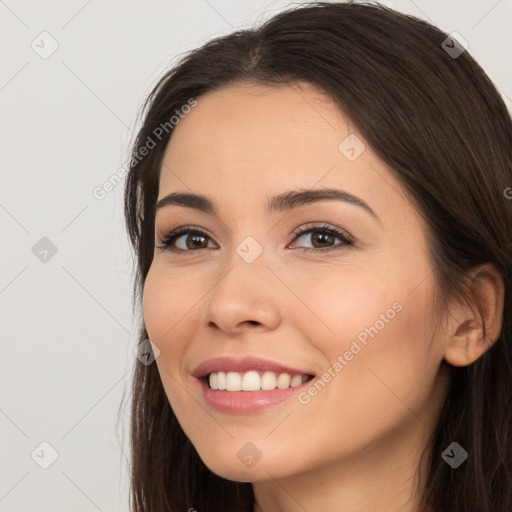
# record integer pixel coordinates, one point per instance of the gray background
(67, 332)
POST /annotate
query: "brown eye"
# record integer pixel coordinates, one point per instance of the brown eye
(185, 239)
(195, 241)
(322, 238)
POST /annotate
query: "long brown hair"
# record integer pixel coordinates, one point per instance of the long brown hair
(439, 122)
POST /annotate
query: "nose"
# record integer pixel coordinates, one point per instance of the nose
(246, 296)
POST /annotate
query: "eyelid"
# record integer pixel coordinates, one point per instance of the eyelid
(320, 226)
(179, 231)
(169, 237)
(184, 229)
(347, 240)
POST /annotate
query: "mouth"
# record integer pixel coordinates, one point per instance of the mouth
(248, 385)
(253, 380)
(248, 393)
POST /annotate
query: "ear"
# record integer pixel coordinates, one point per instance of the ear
(467, 337)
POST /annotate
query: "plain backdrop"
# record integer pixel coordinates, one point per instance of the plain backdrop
(67, 118)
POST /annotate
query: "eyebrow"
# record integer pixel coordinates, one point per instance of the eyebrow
(279, 203)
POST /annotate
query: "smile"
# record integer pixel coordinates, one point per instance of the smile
(254, 381)
(248, 385)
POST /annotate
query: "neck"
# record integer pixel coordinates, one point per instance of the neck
(380, 479)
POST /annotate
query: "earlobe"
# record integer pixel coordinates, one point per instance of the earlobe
(477, 325)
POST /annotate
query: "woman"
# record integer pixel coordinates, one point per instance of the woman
(320, 215)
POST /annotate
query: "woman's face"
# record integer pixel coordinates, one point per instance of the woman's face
(357, 315)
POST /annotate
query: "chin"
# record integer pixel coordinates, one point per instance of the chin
(240, 468)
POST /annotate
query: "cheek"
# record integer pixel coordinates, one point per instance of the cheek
(393, 372)
(338, 306)
(376, 322)
(164, 302)
(168, 316)
(379, 384)
(153, 305)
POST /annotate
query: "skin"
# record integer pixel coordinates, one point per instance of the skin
(356, 445)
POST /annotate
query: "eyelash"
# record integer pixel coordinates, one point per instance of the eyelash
(347, 241)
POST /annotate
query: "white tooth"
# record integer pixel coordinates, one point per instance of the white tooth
(221, 381)
(283, 381)
(296, 381)
(251, 381)
(233, 381)
(268, 381)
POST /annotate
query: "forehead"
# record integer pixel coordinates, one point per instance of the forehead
(257, 141)
(256, 122)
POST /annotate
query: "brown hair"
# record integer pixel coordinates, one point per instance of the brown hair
(441, 125)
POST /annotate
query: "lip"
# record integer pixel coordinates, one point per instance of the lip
(244, 364)
(245, 402)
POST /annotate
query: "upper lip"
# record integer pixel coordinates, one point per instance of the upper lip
(244, 364)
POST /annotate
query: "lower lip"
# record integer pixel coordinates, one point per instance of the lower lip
(245, 402)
